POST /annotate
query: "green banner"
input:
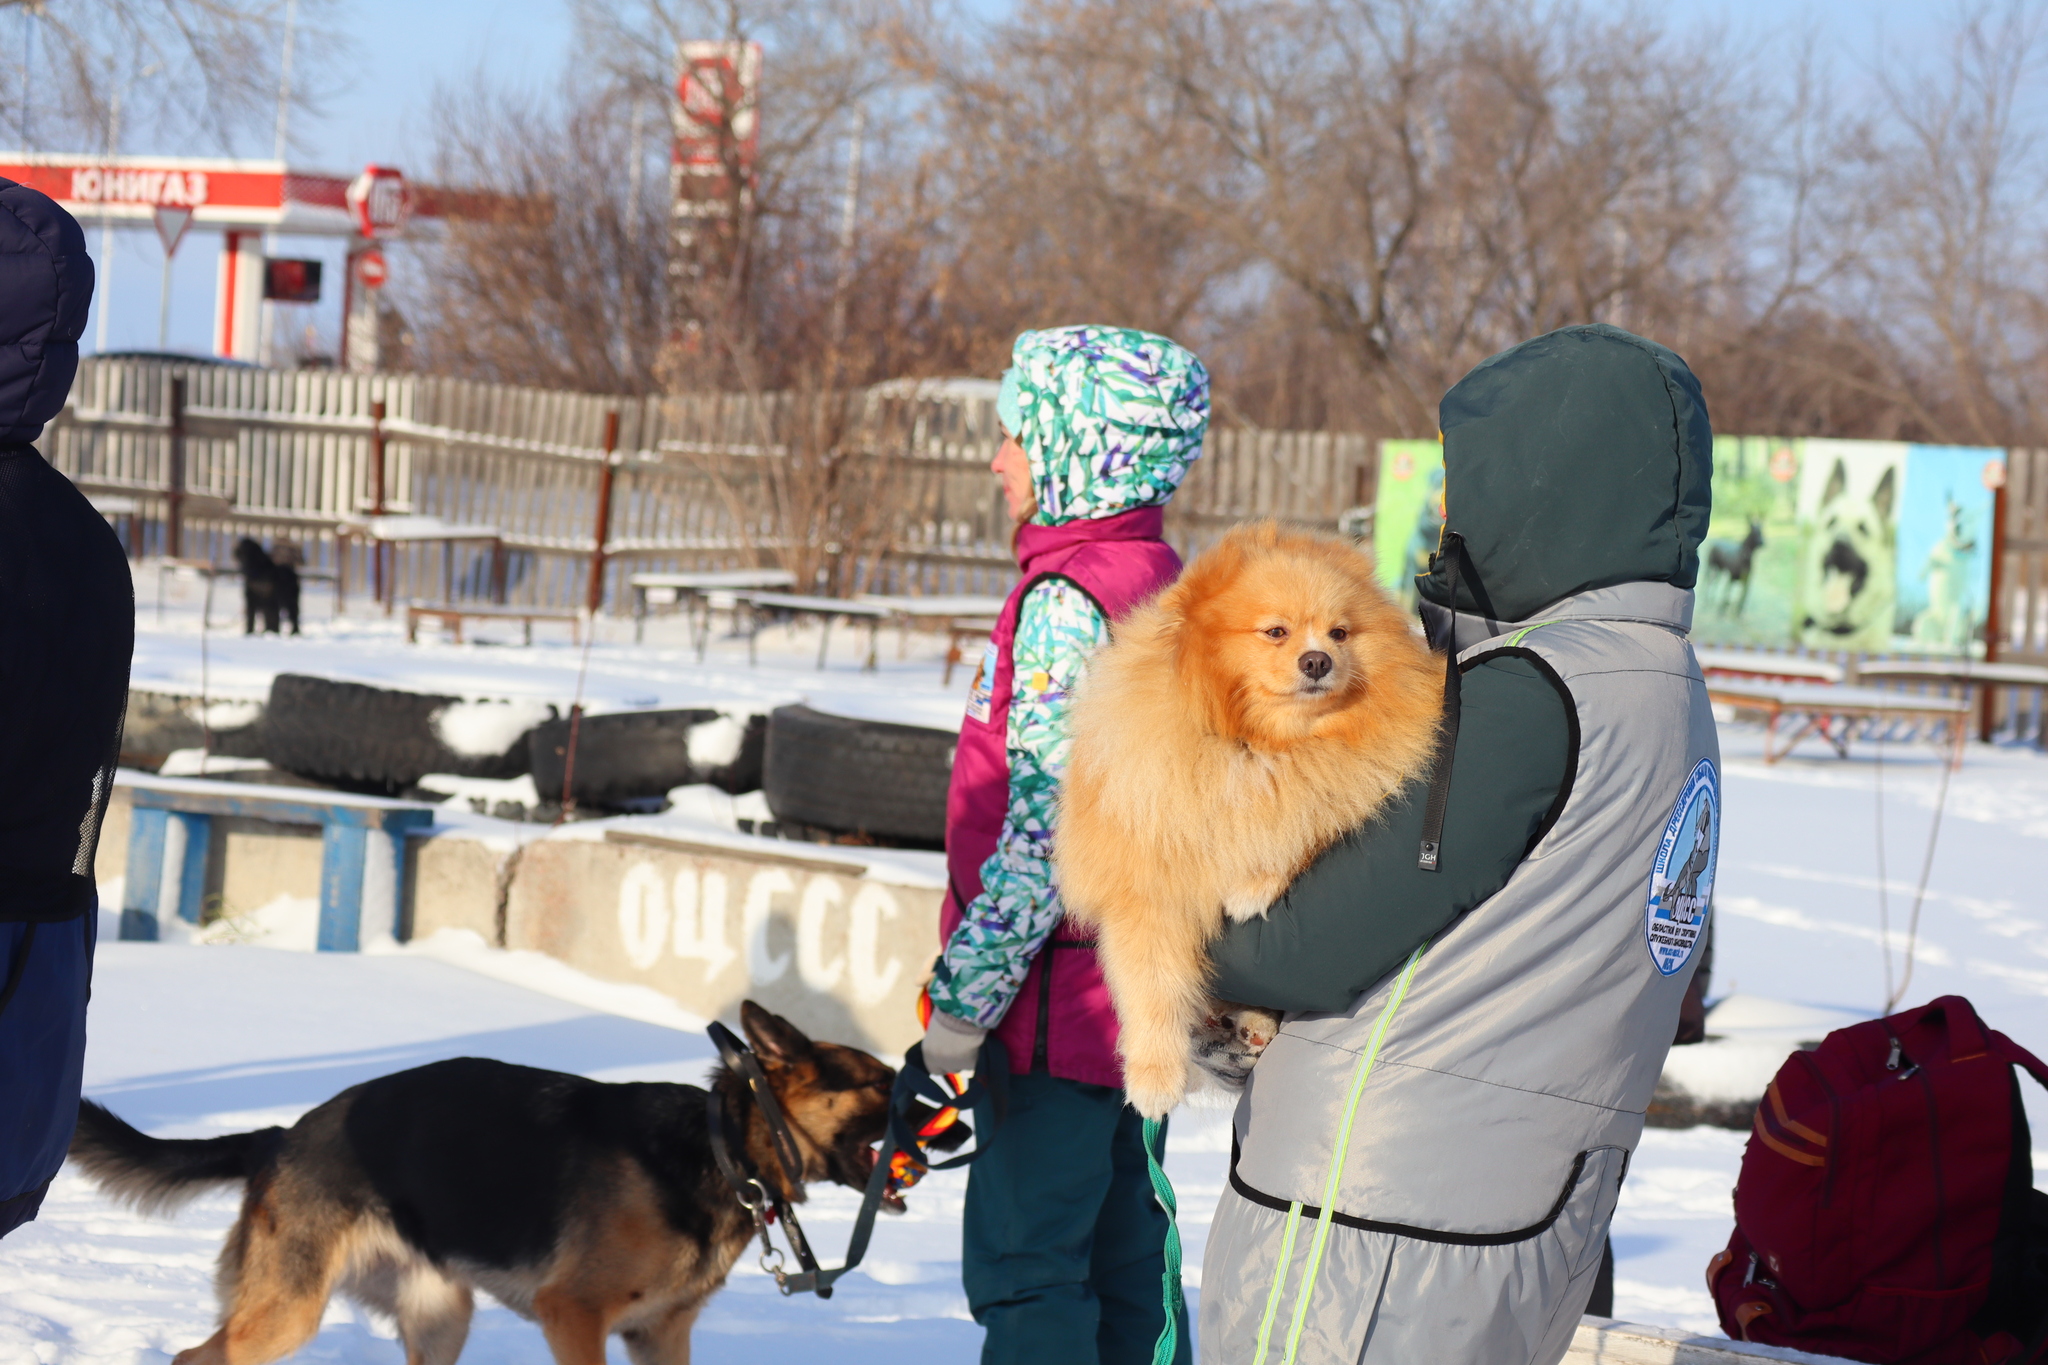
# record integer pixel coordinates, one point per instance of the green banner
(1409, 514)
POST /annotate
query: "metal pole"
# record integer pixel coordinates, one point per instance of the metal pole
(284, 78)
(849, 211)
(348, 299)
(604, 515)
(104, 285)
(1993, 617)
(163, 307)
(174, 528)
(377, 577)
(267, 331)
(106, 261)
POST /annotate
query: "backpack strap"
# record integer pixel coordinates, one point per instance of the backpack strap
(2005, 1049)
(1430, 858)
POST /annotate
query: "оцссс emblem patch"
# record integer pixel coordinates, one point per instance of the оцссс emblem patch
(1682, 881)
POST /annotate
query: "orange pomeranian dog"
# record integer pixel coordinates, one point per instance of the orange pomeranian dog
(1267, 703)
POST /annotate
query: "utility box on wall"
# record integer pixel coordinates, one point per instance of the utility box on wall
(286, 280)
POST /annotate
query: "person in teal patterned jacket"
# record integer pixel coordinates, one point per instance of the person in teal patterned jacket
(1062, 1241)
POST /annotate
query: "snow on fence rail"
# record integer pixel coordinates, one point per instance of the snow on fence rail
(701, 481)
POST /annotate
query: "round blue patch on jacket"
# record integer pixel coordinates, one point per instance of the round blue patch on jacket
(1682, 881)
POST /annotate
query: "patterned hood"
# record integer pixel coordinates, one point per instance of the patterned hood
(1111, 418)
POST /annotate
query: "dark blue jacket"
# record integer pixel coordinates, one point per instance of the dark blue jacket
(67, 629)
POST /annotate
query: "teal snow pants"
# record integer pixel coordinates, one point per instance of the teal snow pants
(1063, 1243)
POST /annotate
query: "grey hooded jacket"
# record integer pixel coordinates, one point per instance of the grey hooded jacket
(1426, 1171)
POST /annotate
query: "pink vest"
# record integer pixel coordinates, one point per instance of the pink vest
(1062, 1018)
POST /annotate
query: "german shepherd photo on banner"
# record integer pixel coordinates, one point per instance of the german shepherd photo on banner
(587, 1207)
(1849, 499)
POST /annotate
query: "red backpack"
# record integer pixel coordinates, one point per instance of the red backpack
(1886, 1209)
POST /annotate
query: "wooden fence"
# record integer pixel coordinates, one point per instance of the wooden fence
(2021, 573)
(701, 481)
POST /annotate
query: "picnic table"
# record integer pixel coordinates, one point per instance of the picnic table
(960, 616)
(1834, 712)
(127, 513)
(1977, 680)
(957, 634)
(395, 529)
(826, 609)
(1744, 663)
(452, 614)
(695, 589)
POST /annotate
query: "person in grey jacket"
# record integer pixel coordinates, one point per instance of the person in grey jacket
(1427, 1157)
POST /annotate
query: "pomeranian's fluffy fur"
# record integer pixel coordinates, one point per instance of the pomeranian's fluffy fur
(1269, 701)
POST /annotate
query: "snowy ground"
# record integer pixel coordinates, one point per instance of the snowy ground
(190, 1040)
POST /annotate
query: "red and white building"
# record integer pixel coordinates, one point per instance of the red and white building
(243, 200)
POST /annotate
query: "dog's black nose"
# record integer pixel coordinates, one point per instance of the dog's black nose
(1315, 663)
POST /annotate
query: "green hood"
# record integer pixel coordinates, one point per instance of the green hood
(1111, 417)
(1575, 461)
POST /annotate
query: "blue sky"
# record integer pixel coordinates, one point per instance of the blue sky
(401, 49)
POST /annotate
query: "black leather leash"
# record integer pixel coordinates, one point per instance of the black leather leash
(986, 1096)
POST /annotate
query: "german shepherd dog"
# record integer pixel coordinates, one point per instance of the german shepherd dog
(270, 586)
(589, 1208)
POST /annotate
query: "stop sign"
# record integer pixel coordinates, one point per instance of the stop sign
(371, 271)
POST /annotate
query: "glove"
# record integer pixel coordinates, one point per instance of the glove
(951, 1044)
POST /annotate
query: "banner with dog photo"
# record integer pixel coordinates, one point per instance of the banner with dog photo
(1944, 547)
(1895, 551)
(1873, 547)
(1408, 515)
(1749, 566)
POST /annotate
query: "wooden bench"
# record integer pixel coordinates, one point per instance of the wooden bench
(826, 609)
(170, 844)
(451, 617)
(1833, 713)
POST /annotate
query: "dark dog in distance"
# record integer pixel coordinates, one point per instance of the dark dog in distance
(589, 1208)
(270, 585)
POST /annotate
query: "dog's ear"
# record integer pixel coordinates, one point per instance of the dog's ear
(1886, 494)
(771, 1035)
(1837, 484)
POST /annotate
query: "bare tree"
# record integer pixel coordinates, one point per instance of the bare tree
(1344, 204)
(1432, 181)
(200, 65)
(1954, 276)
(553, 275)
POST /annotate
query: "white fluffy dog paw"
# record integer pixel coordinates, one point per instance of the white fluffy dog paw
(1152, 1104)
(1154, 1090)
(1253, 901)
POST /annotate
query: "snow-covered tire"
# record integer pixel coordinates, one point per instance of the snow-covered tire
(624, 756)
(378, 739)
(862, 777)
(160, 723)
